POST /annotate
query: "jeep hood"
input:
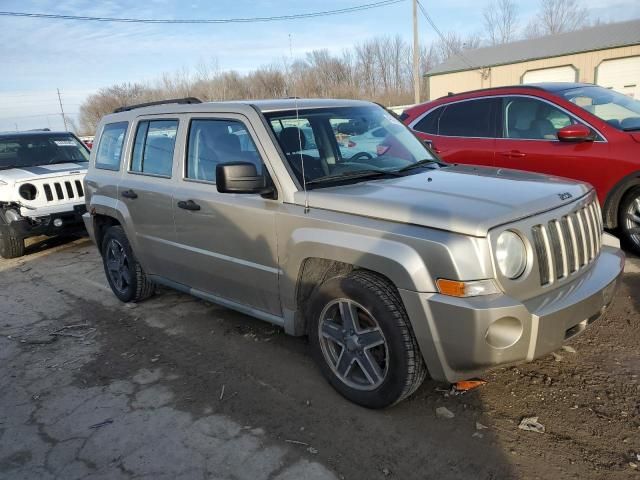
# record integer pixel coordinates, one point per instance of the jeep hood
(464, 199)
(23, 174)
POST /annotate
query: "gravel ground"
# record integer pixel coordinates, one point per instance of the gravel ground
(179, 388)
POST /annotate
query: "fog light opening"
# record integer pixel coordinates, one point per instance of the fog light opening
(504, 332)
(57, 222)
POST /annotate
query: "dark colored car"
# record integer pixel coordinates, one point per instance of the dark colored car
(573, 130)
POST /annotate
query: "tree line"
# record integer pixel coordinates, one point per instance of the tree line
(379, 69)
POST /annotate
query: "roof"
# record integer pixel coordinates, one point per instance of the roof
(264, 106)
(589, 39)
(32, 133)
(552, 87)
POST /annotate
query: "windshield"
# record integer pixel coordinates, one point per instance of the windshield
(619, 110)
(33, 150)
(346, 142)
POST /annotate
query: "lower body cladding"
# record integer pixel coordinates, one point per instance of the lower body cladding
(51, 224)
(462, 337)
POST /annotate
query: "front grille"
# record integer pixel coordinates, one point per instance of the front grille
(565, 245)
(63, 190)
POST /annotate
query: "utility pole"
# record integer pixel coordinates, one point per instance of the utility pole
(64, 120)
(416, 55)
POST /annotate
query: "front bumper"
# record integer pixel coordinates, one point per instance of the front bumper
(45, 225)
(462, 337)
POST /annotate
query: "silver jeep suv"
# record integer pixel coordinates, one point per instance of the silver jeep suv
(393, 263)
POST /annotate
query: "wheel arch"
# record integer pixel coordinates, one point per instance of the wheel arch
(315, 255)
(614, 197)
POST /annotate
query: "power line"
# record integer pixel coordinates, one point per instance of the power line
(297, 16)
(442, 37)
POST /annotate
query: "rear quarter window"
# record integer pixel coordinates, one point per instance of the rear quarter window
(109, 152)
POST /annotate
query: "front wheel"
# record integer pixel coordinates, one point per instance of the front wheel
(125, 275)
(11, 247)
(630, 219)
(362, 340)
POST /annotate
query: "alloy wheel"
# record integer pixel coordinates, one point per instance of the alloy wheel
(353, 344)
(632, 220)
(118, 266)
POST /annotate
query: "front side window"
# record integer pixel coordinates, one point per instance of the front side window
(213, 142)
(347, 144)
(616, 109)
(472, 118)
(109, 151)
(532, 119)
(153, 147)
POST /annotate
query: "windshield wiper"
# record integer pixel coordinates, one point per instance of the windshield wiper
(419, 164)
(352, 175)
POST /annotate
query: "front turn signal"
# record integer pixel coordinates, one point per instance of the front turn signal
(475, 288)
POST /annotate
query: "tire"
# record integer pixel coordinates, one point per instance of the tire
(342, 352)
(629, 220)
(125, 275)
(11, 247)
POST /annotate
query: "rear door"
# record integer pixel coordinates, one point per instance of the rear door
(227, 241)
(463, 131)
(146, 190)
(529, 141)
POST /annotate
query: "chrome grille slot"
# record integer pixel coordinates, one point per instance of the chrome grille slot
(542, 253)
(565, 245)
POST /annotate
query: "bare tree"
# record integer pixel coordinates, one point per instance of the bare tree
(557, 16)
(378, 69)
(453, 44)
(500, 21)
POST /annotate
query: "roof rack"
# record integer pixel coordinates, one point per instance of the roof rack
(179, 101)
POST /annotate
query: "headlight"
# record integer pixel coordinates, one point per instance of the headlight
(511, 254)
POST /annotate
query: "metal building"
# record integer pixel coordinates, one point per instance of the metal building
(608, 55)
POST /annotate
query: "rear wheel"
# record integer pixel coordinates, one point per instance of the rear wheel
(11, 247)
(125, 275)
(629, 220)
(362, 340)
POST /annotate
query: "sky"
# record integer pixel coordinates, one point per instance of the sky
(38, 56)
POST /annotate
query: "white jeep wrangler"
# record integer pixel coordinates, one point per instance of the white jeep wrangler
(41, 187)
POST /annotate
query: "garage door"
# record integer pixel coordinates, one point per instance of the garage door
(621, 74)
(554, 74)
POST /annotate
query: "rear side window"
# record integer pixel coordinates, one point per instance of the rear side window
(109, 151)
(212, 142)
(153, 147)
(429, 123)
(472, 118)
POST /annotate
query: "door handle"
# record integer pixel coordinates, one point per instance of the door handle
(129, 194)
(513, 154)
(188, 205)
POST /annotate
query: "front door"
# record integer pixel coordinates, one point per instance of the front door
(529, 142)
(146, 190)
(227, 241)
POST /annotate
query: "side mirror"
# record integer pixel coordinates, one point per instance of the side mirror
(575, 133)
(240, 177)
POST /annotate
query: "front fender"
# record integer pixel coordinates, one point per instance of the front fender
(399, 262)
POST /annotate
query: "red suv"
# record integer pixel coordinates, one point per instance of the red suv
(573, 130)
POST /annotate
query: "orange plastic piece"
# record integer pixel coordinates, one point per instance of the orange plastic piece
(466, 385)
(453, 288)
